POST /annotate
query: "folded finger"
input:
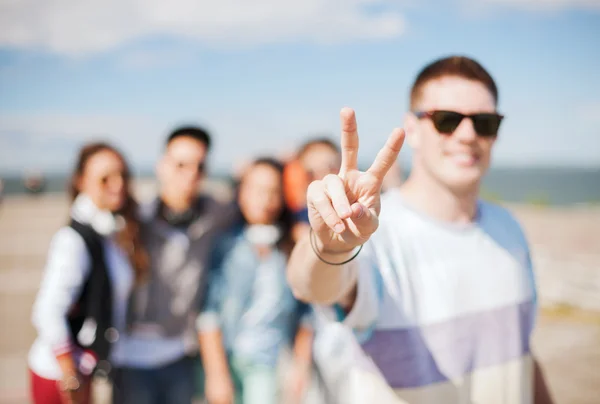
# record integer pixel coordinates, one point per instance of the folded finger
(319, 200)
(334, 186)
(364, 219)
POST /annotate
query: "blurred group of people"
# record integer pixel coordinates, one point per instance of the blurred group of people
(189, 298)
(137, 292)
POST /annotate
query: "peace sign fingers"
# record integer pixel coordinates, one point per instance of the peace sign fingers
(343, 209)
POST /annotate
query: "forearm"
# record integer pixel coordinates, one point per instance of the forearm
(212, 353)
(66, 364)
(303, 347)
(314, 281)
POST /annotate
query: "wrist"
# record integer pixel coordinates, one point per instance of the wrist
(331, 249)
(302, 365)
(338, 255)
(70, 383)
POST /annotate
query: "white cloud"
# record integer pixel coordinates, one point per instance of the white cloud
(76, 27)
(67, 126)
(49, 140)
(155, 58)
(544, 5)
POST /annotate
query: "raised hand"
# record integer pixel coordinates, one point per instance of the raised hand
(344, 209)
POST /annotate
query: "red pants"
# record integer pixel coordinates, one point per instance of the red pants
(46, 391)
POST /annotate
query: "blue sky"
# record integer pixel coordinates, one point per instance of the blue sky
(264, 75)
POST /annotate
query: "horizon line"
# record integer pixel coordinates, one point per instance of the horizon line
(11, 173)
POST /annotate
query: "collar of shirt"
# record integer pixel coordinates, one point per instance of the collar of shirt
(104, 222)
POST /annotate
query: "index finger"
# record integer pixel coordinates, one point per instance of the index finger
(388, 154)
(349, 140)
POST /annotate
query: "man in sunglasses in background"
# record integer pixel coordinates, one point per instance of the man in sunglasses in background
(442, 297)
(179, 229)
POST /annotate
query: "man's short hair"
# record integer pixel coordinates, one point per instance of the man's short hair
(195, 132)
(457, 66)
(319, 141)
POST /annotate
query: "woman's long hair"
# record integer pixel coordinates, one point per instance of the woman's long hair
(285, 218)
(129, 238)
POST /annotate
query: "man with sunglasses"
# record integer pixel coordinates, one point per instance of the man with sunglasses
(179, 228)
(439, 288)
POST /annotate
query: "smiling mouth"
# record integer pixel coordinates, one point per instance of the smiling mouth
(464, 159)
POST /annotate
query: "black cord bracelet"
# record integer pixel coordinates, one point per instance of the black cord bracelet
(314, 248)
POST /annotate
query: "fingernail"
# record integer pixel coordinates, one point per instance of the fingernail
(361, 212)
(344, 211)
(338, 228)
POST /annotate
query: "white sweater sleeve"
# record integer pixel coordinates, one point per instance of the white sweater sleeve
(67, 267)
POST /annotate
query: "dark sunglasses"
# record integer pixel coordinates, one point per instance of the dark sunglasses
(200, 167)
(446, 122)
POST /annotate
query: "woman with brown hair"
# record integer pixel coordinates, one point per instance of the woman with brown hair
(91, 268)
(249, 312)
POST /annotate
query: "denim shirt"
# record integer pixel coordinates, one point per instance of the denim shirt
(249, 300)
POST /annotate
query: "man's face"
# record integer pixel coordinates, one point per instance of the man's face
(457, 160)
(182, 167)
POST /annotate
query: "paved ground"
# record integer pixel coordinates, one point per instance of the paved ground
(566, 340)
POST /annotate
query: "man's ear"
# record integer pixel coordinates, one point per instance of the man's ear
(411, 126)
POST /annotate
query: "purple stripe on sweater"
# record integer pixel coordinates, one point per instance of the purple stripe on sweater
(414, 357)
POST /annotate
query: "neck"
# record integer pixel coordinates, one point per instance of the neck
(176, 204)
(439, 201)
